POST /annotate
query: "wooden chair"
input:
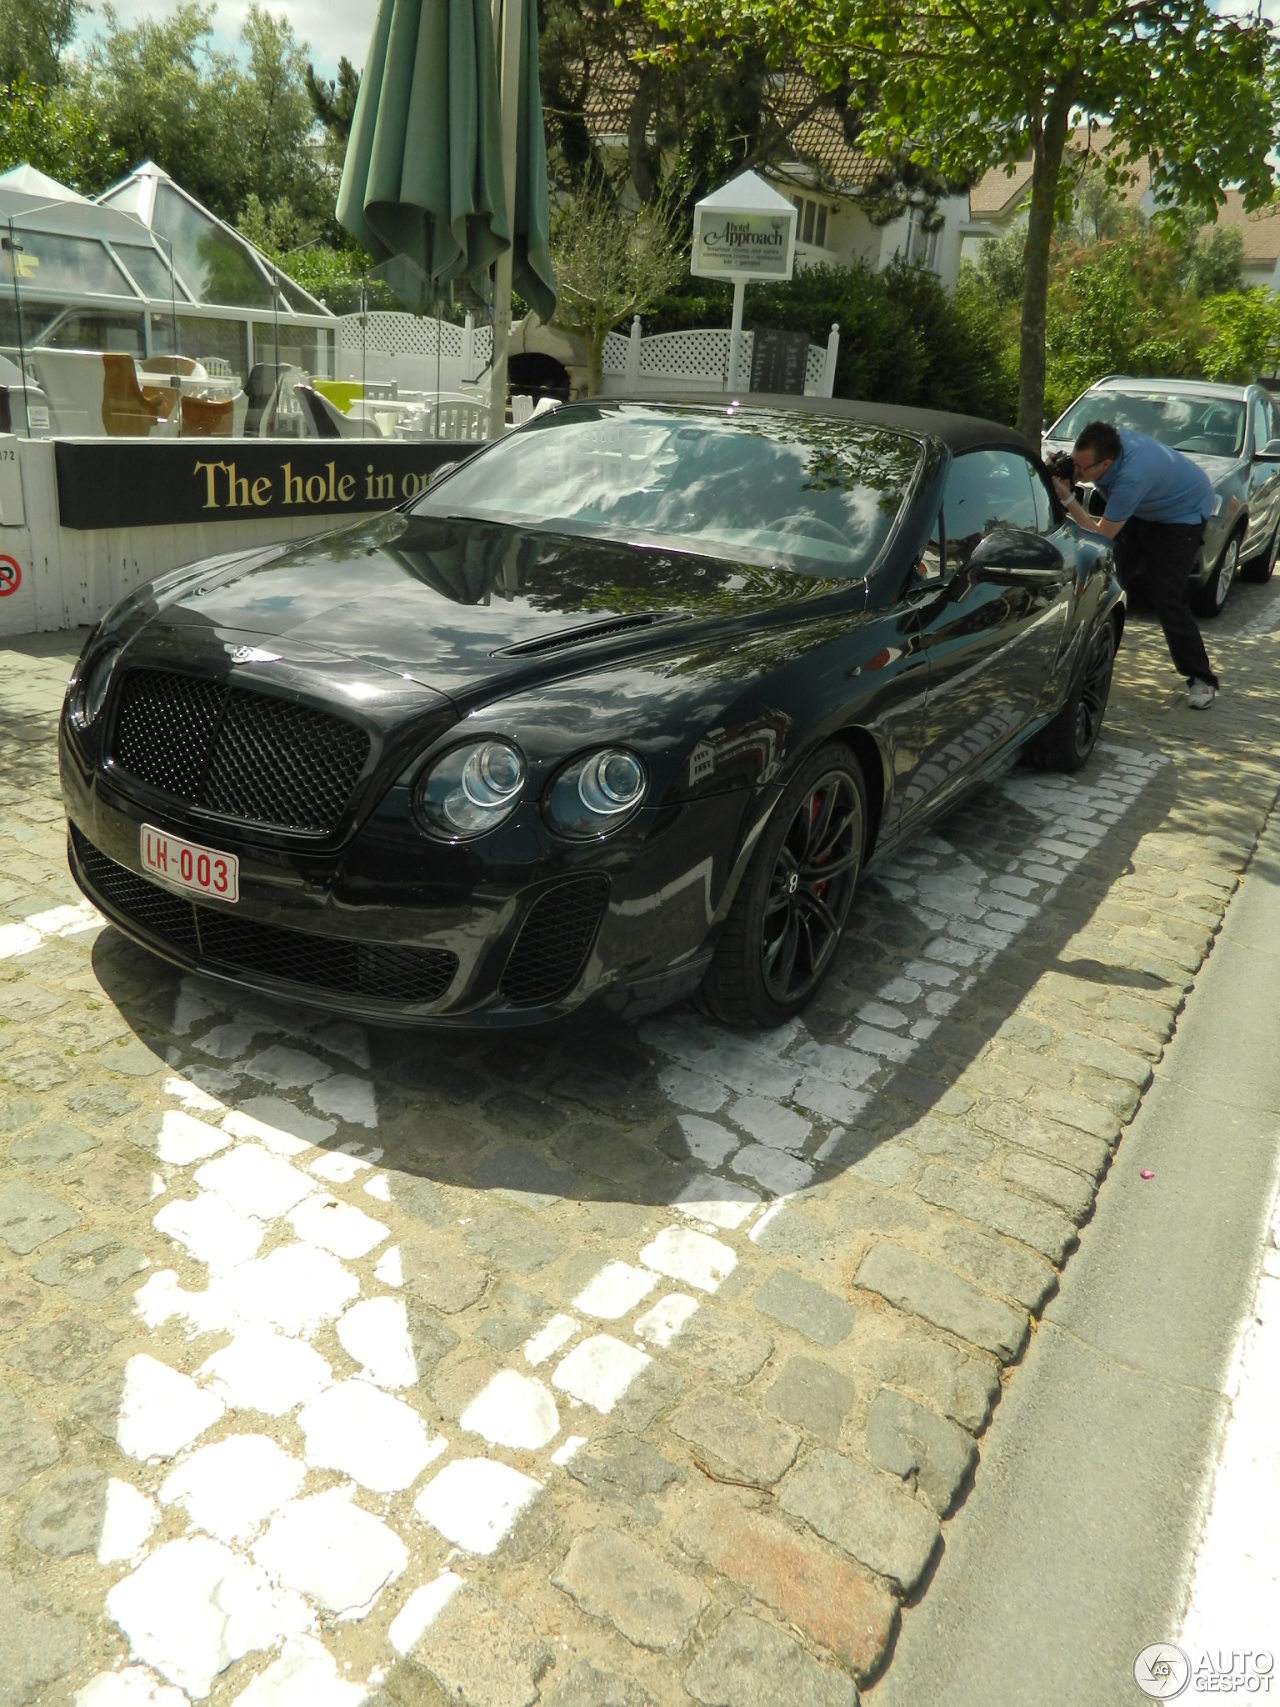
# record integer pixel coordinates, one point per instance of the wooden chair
(207, 417)
(127, 410)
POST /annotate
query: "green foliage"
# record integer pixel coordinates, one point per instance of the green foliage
(902, 339)
(1189, 89)
(51, 131)
(33, 37)
(1246, 335)
(611, 262)
(223, 130)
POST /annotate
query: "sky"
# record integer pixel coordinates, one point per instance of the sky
(329, 30)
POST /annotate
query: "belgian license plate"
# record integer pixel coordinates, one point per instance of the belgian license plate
(187, 865)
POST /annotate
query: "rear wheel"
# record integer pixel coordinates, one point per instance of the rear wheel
(1066, 743)
(1259, 568)
(784, 928)
(1209, 599)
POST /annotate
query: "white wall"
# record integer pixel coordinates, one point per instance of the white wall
(70, 577)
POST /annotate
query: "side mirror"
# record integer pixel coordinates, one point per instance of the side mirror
(439, 471)
(1270, 452)
(1010, 556)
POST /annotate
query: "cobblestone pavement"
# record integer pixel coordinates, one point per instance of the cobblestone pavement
(600, 1369)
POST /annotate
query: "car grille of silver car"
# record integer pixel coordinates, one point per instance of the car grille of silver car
(248, 756)
(547, 957)
(225, 941)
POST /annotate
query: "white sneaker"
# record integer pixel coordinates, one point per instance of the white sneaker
(1202, 695)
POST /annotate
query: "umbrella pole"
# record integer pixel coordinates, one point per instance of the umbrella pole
(510, 93)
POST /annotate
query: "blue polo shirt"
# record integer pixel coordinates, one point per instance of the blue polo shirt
(1152, 483)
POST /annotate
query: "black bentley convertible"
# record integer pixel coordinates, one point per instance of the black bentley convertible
(618, 710)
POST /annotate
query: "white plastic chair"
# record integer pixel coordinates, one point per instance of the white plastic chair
(72, 380)
(521, 409)
(458, 420)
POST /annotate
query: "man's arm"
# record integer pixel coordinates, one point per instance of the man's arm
(1081, 516)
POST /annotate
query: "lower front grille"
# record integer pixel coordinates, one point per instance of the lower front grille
(554, 942)
(227, 942)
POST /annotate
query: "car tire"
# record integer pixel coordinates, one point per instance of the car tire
(1260, 568)
(783, 930)
(1066, 742)
(1210, 599)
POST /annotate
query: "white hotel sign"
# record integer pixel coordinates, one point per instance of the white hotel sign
(745, 230)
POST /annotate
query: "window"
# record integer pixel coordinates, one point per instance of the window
(985, 489)
(811, 221)
(922, 242)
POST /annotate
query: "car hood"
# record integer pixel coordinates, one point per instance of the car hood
(453, 603)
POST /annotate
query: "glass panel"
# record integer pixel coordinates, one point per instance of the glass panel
(95, 329)
(35, 317)
(298, 299)
(817, 494)
(216, 266)
(78, 266)
(305, 347)
(986, 489)
(1184, 422)
(809, 210)
(820, 231)
(213, 343)
(150, 270)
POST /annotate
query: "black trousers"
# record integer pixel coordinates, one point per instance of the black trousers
(1164, 554)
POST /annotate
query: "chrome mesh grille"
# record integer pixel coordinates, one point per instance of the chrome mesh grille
(249, 756)
(224, 941)
(555, 939)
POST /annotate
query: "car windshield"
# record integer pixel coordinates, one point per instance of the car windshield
(809, 491)
(1210, 426)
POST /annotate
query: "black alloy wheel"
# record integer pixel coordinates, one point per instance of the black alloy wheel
(1066, 742)
(784, 928)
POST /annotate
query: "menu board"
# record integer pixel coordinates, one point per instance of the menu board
(778, 360)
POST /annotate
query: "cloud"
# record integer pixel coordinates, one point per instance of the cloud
(328, 32)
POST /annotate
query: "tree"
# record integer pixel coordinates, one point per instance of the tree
(966, 87)
(222, 130)
(51, 131)
(33, 37)
(611, 262)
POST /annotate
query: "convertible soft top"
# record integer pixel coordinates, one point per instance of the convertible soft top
(958, 432)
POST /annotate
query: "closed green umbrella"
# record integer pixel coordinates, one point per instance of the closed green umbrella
(423, 187)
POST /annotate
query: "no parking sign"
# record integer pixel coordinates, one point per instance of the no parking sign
(10, 575)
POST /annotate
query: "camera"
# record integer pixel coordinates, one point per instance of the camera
(1061, 467)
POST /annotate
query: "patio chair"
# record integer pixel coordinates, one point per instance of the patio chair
(461, 420)
(73, 381)
(129, 411)
(324, 419)
(259, 390)
(208, 417)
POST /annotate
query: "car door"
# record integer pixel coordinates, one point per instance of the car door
(990, 645)
(1263, 474)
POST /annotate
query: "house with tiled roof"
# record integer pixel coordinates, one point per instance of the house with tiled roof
(1000, 198)
(835, 187)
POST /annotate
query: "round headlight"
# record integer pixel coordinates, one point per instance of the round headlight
(470, 789)
(611, 782)
(93, 686)
(595, 793)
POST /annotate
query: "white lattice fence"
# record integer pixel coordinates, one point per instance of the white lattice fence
(418, 352)
(689, 362)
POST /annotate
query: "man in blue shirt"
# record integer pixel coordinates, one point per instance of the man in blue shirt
(1157, 504)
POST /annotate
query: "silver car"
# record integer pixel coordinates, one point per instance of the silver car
(1232, 432)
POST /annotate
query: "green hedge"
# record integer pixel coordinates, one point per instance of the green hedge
(902, 338)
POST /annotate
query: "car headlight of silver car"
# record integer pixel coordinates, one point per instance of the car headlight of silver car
(596, 793)
(470, 789)
(91, 689)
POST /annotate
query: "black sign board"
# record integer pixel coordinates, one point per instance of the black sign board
(118, 483)
(778, 360)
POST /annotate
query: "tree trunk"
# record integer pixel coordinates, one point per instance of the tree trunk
(1047, 152)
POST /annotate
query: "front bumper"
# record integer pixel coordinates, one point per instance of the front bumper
(392, 928)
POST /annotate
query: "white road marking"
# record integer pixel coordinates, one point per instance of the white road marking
(474, 1502)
